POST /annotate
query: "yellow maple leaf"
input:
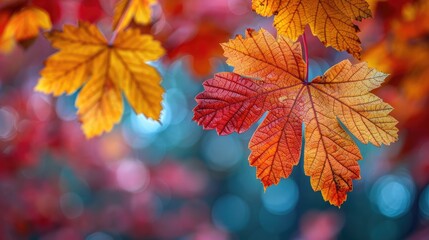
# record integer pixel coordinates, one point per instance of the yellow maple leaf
(104, 70)
(22, 26)
(269, 75)
(127, 10)
(329, 20)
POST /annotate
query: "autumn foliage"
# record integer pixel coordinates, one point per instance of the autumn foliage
(110, 68)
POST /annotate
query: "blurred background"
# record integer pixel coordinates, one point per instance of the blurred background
(146, 180)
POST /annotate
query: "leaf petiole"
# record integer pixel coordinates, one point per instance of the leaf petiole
(117, 28)
(304, 44)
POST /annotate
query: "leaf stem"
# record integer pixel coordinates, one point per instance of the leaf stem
(116, 31)
(114, 35)
(304, 43)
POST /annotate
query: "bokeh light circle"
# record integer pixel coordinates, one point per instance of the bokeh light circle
(178, 106)
(65, 108)
(424, 202)
(143, 125)
(8, 122)
(222, 153)
(281, 199)
(132, 175)
(231, 213)
(393, 195)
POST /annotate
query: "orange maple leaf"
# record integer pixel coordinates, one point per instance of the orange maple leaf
(22, 26)
(275, 82)
(329, 20)
(86, 58)
(128, 10)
